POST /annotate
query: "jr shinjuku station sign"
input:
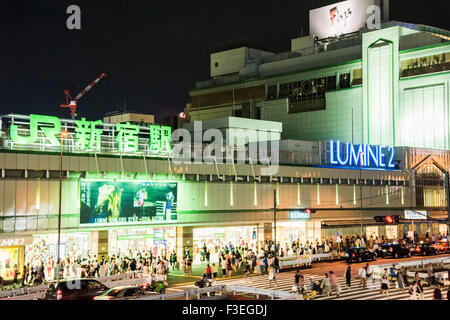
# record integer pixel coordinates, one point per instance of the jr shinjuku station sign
(43, 133)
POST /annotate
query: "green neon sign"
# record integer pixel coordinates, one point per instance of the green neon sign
(87, 135)
(127, 138)
(160, 137)
(43, 123)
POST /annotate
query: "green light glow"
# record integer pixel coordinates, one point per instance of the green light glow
(127, 138)
(87, 135)
(35, 120)
(160, 137)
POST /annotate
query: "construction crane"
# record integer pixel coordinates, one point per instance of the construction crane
(72, 103)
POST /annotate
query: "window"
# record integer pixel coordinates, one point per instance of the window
(307, 95)
(216, 64)
(344, 80)
(96, 286)
(272, 92)
(130, 292)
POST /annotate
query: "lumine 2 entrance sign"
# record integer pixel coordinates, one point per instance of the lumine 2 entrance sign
(347, 154)
(40, 132)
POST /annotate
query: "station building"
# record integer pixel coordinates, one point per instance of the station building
(353, 117)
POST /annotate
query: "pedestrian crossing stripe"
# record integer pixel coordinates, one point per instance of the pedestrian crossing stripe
(285, 281)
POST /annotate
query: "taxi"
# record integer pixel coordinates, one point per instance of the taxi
(442, 246)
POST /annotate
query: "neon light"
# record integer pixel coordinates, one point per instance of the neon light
(35, 120)
(362, 155)
(338, 151)
(373, 156)
(381, 154)
(332, 153)
(391, 159)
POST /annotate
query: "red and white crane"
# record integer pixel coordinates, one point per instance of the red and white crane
(72, 103)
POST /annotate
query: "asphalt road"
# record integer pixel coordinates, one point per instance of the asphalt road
(179, 282)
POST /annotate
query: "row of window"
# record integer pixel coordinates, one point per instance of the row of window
(307, 95)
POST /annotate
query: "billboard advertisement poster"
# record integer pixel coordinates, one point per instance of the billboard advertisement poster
(339, 18)
(105, 202)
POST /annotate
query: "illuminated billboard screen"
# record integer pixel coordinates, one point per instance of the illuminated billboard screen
(340, 18)
(125, 202)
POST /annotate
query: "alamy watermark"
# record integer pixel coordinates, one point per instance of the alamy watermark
(239, 146)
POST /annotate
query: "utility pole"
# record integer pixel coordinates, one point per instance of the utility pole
(63, 135)
(360, 191)
(275, 218)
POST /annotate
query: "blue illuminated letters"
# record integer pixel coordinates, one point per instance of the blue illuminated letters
(362, 155)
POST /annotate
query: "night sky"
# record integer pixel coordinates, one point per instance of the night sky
(153, 52)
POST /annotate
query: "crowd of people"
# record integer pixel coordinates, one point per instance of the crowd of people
(135, 262)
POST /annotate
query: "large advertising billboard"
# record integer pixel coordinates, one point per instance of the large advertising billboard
(127, 202)
(340, 18)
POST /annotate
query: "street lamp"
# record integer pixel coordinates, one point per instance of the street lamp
(63, 135)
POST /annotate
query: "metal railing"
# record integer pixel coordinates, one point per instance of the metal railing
(273, 294)
(28, 293)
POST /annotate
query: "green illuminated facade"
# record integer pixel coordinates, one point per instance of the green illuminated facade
(387, 86)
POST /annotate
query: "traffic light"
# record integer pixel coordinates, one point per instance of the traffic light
(254, 235)
(310, 211)
(378, 218)
(387, 219)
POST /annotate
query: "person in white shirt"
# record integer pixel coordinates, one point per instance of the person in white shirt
(362, 276)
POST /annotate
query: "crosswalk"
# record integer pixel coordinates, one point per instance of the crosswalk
(285, 281)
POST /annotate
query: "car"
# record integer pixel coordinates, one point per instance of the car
(423, 249)
(74, 289)
(359, 254)
(442, 246)
(121, 293)
(394, 250)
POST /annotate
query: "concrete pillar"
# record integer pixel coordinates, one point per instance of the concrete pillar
(99, 244)
(185, 238)
(268, 231)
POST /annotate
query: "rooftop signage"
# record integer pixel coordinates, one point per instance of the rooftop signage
(340, 18)
(346, 154)
(43, 133)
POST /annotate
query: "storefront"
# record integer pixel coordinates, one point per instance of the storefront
(160, 241)
(12, 252)
(43, 247)
(216, 238)
(302, 230)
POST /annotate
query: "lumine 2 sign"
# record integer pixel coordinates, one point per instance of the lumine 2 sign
(363, 155)
(88, 135)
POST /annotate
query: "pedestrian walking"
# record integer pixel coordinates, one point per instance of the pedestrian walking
(16, 274)
(334, 286)
(214, 271)
(229, 268)
(272, 276)
(420, 290)
(400, 282)
(247, 272)
(325, 285)
(385, 286)
(413, 291)
(348, 277)
(362, 277)
(437, 294)
(297, 280)
(224, 267)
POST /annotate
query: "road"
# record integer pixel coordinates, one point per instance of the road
(285, 281)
